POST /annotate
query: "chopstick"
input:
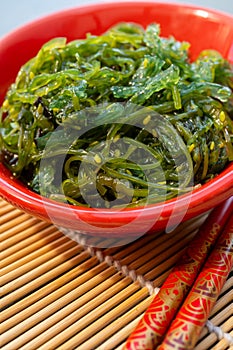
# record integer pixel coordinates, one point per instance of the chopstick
(153, 326)
(192, 316)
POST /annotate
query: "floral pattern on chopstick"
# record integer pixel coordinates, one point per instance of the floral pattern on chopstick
(186, 328)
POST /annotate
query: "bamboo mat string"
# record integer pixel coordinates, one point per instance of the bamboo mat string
(219, 332)
(212, 342)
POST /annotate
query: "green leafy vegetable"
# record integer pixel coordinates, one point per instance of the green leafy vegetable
(126, 113)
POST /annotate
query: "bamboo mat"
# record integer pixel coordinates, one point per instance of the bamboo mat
(60, 294)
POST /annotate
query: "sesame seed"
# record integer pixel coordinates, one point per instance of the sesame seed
(97, 159)
(222, 116)
(212, 145)
(145, 62)
(116, 138)
(154, 133)
(40, 109)
(117, 153)
(5, 104)
(146, 120)
(191, 147)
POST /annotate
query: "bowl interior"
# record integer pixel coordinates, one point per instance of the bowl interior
(203, 28)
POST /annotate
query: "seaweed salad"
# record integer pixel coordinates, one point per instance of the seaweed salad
(127, 113)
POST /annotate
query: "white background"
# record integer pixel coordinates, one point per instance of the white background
(15, 13)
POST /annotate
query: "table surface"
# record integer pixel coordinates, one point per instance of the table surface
(16, 13)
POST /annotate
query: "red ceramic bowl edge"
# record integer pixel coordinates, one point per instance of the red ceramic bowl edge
(189, 205)
(32, 203)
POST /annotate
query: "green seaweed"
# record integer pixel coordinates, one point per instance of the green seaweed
(142, 122)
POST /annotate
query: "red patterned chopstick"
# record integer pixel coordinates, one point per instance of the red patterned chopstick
(192, 316)
(158, 317)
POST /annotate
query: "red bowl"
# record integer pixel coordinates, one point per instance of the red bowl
(203, 28)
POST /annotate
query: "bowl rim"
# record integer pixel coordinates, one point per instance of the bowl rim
(111, 3)
(18, 194)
